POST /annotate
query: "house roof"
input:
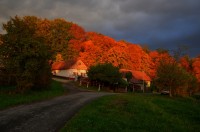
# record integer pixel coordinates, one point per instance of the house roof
(71, 64)
(141, 75)
(138, 75)
(59, 65)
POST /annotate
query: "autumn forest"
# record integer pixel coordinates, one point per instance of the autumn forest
(66, 40)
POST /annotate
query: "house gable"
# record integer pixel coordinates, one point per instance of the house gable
(79, 65)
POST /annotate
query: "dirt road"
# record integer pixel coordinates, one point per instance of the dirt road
(47, 116)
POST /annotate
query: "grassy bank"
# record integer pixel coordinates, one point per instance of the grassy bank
(7, 100)
(137, 112)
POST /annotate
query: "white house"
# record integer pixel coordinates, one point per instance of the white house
(70, 69)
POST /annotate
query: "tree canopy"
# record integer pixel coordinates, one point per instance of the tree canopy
(105, 73)
(25, 55)
(173, 77)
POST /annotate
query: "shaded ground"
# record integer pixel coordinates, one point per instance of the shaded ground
(46, 116)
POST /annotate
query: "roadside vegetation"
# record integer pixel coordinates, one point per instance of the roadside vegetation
(137, 112)
(8, 99)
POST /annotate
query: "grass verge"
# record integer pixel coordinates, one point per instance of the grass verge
(7, 100)
(137, 112)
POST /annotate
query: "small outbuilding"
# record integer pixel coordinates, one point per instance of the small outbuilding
(140, 80)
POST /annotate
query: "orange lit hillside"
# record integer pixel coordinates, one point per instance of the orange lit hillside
(67, 41)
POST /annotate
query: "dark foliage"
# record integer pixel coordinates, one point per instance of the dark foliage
(24, 54)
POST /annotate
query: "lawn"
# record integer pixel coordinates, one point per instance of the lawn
(7, 100)
(137, 112)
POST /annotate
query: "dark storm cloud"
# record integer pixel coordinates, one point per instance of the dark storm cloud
(158, 23)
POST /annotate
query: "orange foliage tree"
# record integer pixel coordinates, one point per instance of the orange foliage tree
(196, 67)
(156, 58)
(118, 56)
(139, 59)
(57, 35)
(186, 63)
(90, 53)
(78, 36)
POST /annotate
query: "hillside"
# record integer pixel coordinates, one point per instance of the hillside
(67, 41)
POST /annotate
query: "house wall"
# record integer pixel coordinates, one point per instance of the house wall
(148, 83)
(61, 73)
(82, 73)
(70, 73)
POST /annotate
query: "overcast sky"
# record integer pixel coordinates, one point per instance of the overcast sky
(156, 23)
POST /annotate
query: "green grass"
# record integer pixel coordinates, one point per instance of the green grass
(137, 112)
(8, 100)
